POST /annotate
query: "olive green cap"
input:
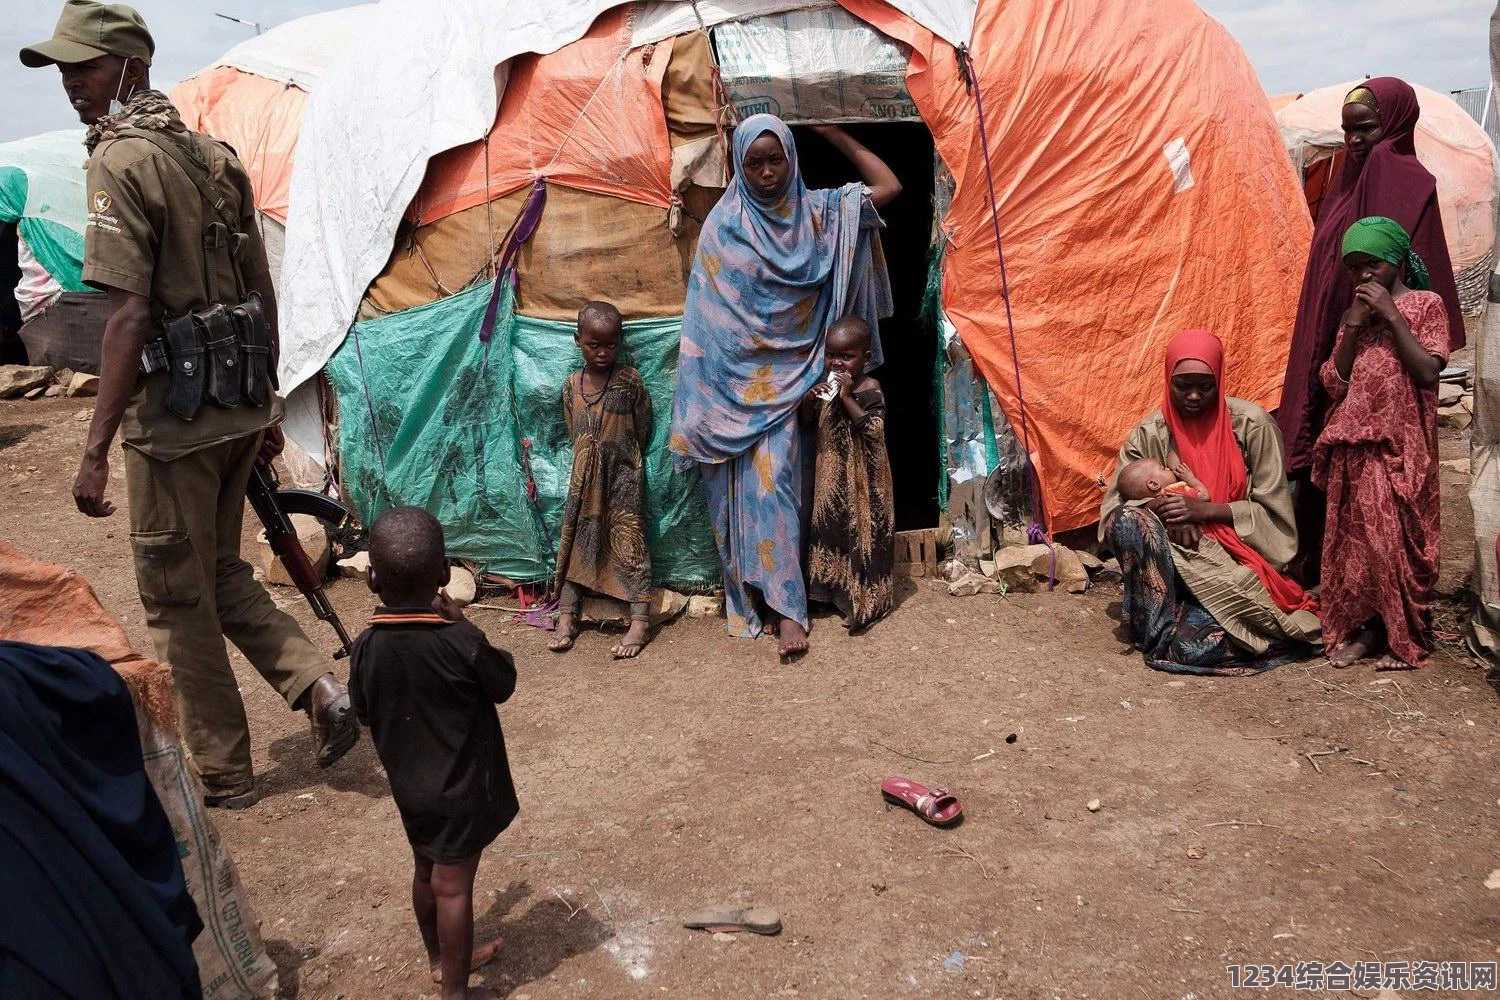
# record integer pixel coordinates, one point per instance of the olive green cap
(87, 30)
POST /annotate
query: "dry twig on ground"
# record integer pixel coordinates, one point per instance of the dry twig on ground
(909, 756)
(959, 852)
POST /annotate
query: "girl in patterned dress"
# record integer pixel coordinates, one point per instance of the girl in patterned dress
(1377, 456)
(603, 547)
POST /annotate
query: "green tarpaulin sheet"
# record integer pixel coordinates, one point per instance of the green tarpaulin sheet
(432, 417)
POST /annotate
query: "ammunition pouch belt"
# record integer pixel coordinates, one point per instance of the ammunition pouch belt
(218, 354)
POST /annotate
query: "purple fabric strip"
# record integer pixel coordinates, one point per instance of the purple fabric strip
(526, 223)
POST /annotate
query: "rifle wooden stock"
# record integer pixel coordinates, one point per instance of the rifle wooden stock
(282, 537)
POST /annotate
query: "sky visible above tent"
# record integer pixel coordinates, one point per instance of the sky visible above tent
(1294, 44)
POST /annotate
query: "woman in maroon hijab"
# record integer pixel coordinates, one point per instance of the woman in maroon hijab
(1380, 176)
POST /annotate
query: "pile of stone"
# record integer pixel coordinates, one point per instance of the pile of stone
(38, 381)
(1029, 568)
(1456, 399)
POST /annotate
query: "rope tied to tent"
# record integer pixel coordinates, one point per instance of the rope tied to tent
(1036, 531)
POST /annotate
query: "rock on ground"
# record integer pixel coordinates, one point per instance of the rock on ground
(665, 605)
(82, 384)
(18, 380)
(1063, 565)
(973, 583)
(706, 606)
(461, 586)
(314, 539)
(1454, 416)
(355, 567)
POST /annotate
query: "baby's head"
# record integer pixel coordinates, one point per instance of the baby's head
(847, 347)
(1144, 478)
(600, 327)
(408, 563)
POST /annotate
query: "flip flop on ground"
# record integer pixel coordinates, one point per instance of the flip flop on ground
(937, 806)
(729, 919)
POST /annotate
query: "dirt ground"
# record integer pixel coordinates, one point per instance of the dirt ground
(1300, 815)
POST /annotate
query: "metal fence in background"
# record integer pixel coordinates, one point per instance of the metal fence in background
(1479, 102)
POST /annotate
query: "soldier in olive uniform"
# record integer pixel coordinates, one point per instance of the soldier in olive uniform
(171, 234)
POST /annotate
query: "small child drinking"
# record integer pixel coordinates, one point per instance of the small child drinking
(852, 554)
(426, 683)
(1147, 479)
(603, 548)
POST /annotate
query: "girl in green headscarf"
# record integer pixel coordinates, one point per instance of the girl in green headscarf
(1377, 455)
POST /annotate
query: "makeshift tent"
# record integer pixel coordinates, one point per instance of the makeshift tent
(417, 158)
(252, 98)
(1449, 143)
(1279, 101)
(1483, 627)
(41, 192)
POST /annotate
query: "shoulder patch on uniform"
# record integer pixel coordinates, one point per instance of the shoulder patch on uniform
(102, 201)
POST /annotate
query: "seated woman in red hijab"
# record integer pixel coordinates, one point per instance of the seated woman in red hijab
(1204, 587)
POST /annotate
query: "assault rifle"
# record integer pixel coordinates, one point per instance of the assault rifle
(274, 507)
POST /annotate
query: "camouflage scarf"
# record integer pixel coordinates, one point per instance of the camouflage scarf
(148, 109)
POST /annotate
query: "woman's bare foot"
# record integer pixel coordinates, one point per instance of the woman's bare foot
(635, 640)
(567, 634)
(483, 955)
(791, 638)
(1390, 662)
(1362, 645)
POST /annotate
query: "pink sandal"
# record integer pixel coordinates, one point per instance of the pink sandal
(937, 806)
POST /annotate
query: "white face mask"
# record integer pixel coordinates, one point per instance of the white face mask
(115, 107)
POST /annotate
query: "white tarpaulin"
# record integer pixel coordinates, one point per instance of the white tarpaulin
(298, 51)
(950, 20)
(821, 65)
(423, 78)
(50, 174)
(664, 18)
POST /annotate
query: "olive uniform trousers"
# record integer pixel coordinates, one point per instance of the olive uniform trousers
(186, 516)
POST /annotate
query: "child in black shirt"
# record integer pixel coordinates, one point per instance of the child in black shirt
(425, 681)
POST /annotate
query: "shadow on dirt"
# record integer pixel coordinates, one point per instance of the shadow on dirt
(16, 434)
(295, 770)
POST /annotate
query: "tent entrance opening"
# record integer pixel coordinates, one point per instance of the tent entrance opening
(911, 432)
(12, 351)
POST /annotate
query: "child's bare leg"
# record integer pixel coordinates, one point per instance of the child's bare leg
(567, 634)
(635, 639)
(425, 907)
(568, 603)
(453, 892)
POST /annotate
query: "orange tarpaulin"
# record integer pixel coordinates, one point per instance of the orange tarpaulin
(49, 605)
(1143, 190)
(259, 117)
(588, 116)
